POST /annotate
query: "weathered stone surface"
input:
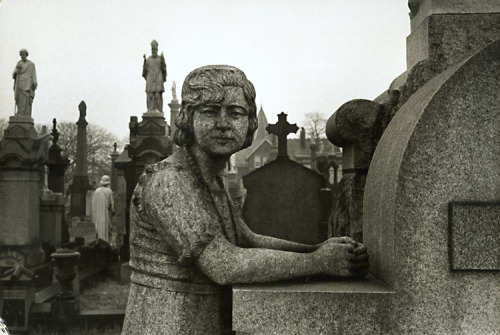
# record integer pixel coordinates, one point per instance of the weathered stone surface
(340, 307)
(346, 217)
(420, 9)
(21, 164)
(51, 218)
(450, 38)
(475, 235)
(19, 221)
(356, 127)
(283, 200)
(443, 145)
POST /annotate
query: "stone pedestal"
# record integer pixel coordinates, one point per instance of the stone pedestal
(22, 158)
(52, 219)
(78, 190)
(356, 127)
(21, 164)
(16, 298)
(421, 9)
(447, 31)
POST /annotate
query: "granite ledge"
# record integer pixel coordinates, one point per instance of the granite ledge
(314, 307)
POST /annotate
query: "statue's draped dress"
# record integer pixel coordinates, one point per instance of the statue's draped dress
(174, 216)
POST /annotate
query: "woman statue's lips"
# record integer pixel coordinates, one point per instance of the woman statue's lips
(222, 137)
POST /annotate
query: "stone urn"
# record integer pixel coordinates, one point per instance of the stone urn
(64, 262)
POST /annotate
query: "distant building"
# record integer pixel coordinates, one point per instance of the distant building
(260, 152)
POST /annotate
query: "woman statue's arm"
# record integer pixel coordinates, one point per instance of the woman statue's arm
(253, 240)
(227, 264)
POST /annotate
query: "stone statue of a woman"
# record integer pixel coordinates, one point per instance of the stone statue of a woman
(188, 240)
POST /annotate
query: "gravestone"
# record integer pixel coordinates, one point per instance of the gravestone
(283, 197)
(431, 203)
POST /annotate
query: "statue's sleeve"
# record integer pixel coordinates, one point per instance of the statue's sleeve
(14, 74)
(163, 68)
(171, 201)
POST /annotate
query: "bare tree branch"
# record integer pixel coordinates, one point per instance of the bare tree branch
(315, 124)
(99, 148)
(3, 125)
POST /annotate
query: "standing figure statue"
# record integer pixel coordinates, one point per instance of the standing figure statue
(25, 84)
(154, 70)
(103, 207)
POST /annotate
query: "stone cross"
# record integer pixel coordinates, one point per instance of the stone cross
(282, 128)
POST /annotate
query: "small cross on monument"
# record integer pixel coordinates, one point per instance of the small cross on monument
(282, 128)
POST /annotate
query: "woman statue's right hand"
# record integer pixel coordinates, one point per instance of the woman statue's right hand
(342, 259)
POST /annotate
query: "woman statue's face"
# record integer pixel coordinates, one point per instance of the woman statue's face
(220, 128)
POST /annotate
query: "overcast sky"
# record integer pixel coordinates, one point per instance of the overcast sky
(302, 56)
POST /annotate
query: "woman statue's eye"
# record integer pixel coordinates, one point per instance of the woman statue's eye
(238, 112)
(208, 112)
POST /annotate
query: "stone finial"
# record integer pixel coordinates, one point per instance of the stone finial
(82, 107)
(354, 125)
(55, 132)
